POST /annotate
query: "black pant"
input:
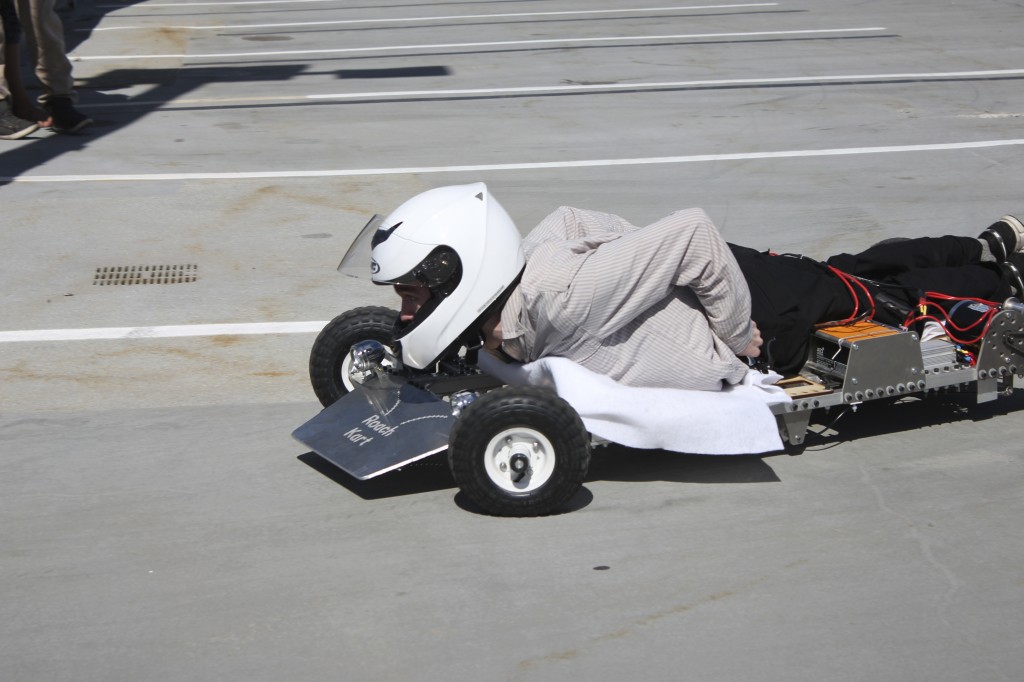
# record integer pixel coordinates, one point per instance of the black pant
(791, 294)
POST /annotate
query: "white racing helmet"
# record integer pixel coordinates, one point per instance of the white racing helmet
(461, 244)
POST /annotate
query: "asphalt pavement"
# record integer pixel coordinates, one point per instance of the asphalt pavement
(158, 522)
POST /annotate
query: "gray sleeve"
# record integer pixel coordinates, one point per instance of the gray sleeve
(570, 224)
(625, 274)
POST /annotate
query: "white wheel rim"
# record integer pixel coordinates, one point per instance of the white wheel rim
(346, 368)
(519, 441)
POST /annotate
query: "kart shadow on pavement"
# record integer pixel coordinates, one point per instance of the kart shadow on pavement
(427, 475)
(881, 418)
(608, 463)
(618, 463)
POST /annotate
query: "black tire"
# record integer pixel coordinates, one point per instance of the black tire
(524, 424)
(329, 357)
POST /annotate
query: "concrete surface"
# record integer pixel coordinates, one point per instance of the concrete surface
(158, 522)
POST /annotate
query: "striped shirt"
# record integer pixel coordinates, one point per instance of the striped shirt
(662, 306)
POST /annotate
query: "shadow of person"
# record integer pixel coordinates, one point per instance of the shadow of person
(119, 111)
(80, 21)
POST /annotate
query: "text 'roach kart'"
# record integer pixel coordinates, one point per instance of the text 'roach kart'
(522, 450)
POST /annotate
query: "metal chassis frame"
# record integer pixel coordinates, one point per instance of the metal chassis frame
(893, 365)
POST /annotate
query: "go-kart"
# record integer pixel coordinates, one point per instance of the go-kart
(524, 451)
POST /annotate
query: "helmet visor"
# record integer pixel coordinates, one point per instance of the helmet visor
(357, 261)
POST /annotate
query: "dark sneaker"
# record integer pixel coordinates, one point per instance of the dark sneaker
(12, 127)
(65, 118)
(1004, 237)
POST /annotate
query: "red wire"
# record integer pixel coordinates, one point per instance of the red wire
(923, 304)
(853, 295)
(867, 294)
(962, 342)
(948, 297)
(947, 321)
(849, 281)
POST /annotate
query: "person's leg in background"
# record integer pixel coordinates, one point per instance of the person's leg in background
(21, 104)
(44, 36)
(12, 127)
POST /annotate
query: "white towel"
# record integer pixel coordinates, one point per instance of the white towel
(736, 420)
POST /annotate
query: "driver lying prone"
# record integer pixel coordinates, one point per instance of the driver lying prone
(670, 304)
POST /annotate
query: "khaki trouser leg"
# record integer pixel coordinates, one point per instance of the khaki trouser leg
(4, 92)
(44, 36)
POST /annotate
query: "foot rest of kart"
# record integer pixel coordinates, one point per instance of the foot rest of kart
(378, 427)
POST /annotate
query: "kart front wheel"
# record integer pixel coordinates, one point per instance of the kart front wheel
(329, 360)
(519, 451)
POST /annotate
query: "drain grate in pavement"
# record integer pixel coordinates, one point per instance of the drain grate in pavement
(146, 274)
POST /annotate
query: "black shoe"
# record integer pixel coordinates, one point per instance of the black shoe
(66, 119)
(1004, 237)
(12, 127)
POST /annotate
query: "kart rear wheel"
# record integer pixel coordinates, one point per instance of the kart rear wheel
(519, 451)
(329, 360)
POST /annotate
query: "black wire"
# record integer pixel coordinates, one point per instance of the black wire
(821, 433)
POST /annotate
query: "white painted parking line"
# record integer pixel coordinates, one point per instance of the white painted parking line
(161, 332)
(497, 167)
(564, 87)
(239, 3)
(451, 17)
(497, 43)
(567, 87)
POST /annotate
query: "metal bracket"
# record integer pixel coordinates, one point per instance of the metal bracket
(1001, 351)
(794, 426)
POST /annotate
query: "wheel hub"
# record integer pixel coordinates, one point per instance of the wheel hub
(519, 460)
(519, 464)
